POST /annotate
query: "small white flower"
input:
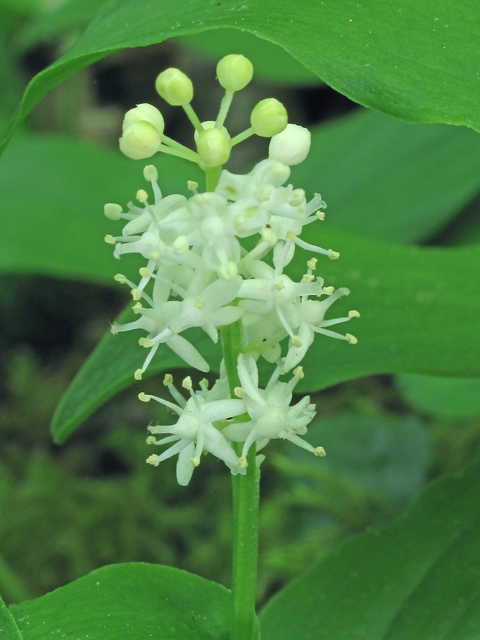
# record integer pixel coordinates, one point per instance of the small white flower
(270, 411)
(195, 431)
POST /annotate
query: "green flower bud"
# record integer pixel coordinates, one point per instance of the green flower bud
(175, 87)
(234, 72)
(147, 113)
(140, 140)
(213, 147)
(269, 117)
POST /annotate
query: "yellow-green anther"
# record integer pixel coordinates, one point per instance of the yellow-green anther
(269, 118)
(234, 72)
(213, 147)
(175, 87)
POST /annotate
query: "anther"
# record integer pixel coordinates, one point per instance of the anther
(195, 461)
(144, 397)
(120, 278)
(320, 452)
(351, 339)
(204, 383)
(333, 255)
(298, 373)
(296, 342)
(180, 245)
(109, 239)
(187, 383)
(138, 374)
(192, 185)
(353, 314)
(136, 294)
(153, 459)
(312, 263)
(151, 440)
(320, 215)
(168, 379)
(242, 463)
(141, 195)
(308, 277)
(238, 391)
(137, 308)
(328, 290)
(291, 237)
(144, 272)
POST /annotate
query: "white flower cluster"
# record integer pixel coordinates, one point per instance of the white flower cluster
(205, 420)
(198, 273)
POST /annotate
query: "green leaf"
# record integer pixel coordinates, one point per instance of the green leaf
(389, 179)
(271, 62)
(55, 20)
(447, 397)
(419, 308)
(55, 189)
(381, 456)
(417, 578)
(129, 602)
(357, 48)
(8, 627)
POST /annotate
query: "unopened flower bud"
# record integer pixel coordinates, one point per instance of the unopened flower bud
(144, 112)
(269, 118)
(291, 146)
(175, 87)
(140, 140)
(234, 72)
(213, 147)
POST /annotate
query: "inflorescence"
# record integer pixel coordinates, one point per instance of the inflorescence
(198, 274)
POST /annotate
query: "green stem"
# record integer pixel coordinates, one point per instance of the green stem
(224, 107)
(192, 116)
(242, 136)
(212, 175)
(189, 155)
(246, 496)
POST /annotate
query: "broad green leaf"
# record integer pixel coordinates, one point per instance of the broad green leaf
(8, 627)
(56, 20)
(53, 192)
(419, 309)
(271, 62)
(417, 578)
(383, 456)
(389, 179)
(129, 602)
(448, 397)
(357, 48)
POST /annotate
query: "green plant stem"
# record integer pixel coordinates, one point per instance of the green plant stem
(212, 175)
(246, 496)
